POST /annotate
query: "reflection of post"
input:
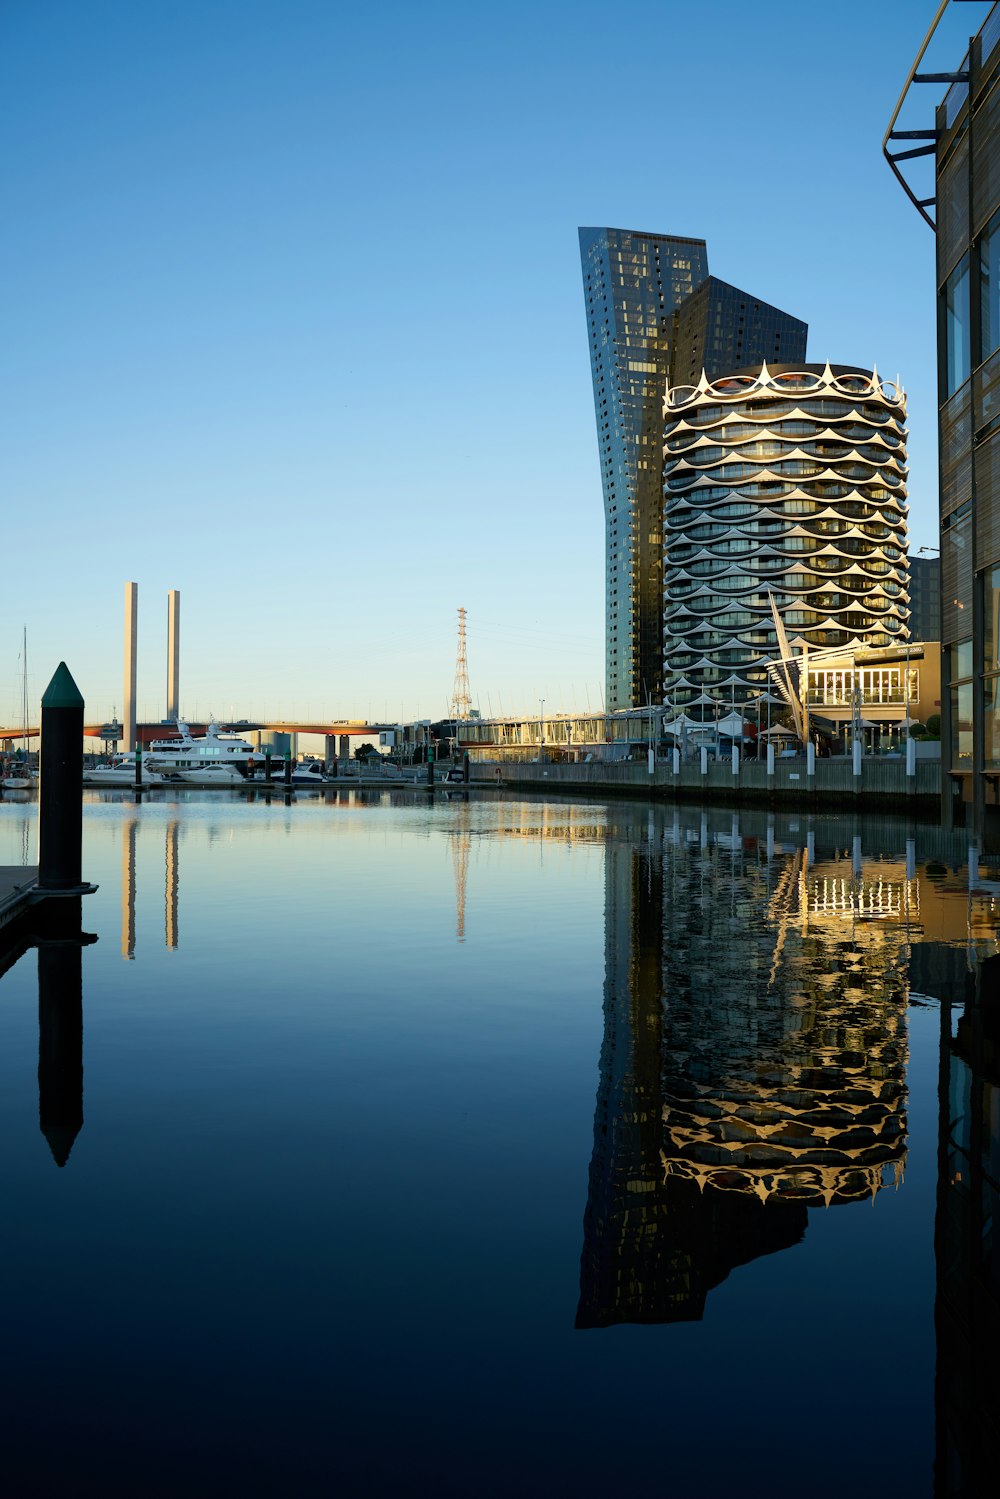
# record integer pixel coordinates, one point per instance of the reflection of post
(967, 1310)
(60, 1028)
(173, 880)
(128, 887)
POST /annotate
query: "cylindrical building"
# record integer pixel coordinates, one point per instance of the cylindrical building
(789, 481)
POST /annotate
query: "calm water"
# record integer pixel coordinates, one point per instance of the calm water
(498, 1146)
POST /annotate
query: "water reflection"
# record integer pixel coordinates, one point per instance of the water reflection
(753, 1060)
(130, 828)
(60, 1026)
(172, 883)
(967, 1311)
(757, 972)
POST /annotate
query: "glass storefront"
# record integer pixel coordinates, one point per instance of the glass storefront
(961, 726)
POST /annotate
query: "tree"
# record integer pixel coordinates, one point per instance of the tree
(364, 750)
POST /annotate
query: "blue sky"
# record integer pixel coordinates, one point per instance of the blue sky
(292, 317)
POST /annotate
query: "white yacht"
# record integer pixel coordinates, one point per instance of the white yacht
(120, 771)
(216, 756)
(306, 773)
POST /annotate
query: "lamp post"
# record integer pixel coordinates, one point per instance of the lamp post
(541, 726)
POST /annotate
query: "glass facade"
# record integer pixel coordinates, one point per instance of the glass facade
(968, 279)
(720, 329)
(957, 327)
(925, 598)
(633, 283)
(653, 316)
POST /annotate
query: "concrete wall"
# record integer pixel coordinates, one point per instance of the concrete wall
(882, 780)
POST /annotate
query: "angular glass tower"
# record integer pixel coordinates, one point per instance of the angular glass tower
(653, 315)
(633, 283)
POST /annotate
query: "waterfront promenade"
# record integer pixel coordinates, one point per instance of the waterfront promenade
(882, 783)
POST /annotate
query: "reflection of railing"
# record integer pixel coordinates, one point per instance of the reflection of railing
(848, 897)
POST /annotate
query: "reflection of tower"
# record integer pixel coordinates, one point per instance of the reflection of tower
(128, 887)
(460, 845)
(461, 701)
(752, 1066)
(653, 1246)
(60, 1027)
(173, 881)
(967, 1310)
(789, 1083)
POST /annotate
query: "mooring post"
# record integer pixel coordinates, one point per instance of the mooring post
(465, 767)
(288, 766)
(138, 765)
(267, 763)
(811, 769)
(911, 766)
(60, 795)
(430, 765)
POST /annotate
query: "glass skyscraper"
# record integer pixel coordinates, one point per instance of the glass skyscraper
(654, 314)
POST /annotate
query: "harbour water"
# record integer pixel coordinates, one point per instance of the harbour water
(479, 1145)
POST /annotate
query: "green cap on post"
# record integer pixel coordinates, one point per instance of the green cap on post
(62, 691)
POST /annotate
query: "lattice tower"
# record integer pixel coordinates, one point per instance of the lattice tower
(461, 701)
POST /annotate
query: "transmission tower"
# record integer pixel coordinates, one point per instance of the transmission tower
(461, 702)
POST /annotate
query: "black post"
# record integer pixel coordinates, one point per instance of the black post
(430, 765)
(465, 767)
(267, 763)
(138, 765)
(60, 797)
(60, 1026)
(288, 767)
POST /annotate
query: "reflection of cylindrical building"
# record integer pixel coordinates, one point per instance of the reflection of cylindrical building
(790, 1084)
(789, 480)
(752, 1066)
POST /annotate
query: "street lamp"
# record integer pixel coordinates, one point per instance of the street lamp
(541, 724)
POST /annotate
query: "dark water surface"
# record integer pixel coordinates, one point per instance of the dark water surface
(502, 1146)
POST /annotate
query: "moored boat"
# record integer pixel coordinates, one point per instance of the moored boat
(120, 771)
(215, 756)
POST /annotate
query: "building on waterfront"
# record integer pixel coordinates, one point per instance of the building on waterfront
(637, 288)
(962, 138)
(785, 485)
(925, 598)
(892, 687)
